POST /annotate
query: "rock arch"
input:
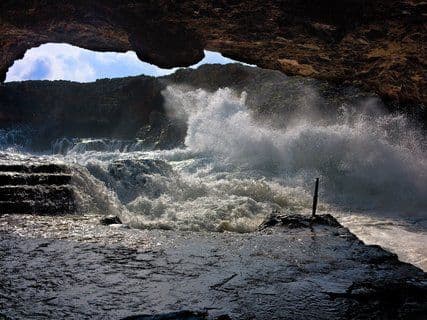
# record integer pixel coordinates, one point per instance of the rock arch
(377, 44)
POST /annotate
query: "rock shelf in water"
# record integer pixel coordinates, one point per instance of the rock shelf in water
(73, 267)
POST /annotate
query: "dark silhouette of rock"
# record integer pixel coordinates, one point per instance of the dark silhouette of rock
(108, 220)
(298, 221)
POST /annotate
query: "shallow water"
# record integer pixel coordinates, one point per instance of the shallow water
(72, 267)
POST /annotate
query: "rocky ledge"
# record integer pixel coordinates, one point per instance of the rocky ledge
(295, 268)
(378, 44)
(36, 188)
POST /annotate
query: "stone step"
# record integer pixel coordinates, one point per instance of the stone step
(34, 168)
(36, 188)
(36, 193)
(30, 179)
(36, 207)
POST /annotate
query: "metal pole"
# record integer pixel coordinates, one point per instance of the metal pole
(316, 195)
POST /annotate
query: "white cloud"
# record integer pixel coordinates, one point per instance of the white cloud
(54, 61)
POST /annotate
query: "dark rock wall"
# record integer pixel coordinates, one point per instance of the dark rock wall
(105, 108)
(133, 107)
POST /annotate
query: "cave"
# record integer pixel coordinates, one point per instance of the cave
(378, 45)
(62, 61)
(213, 159)
(63, 91)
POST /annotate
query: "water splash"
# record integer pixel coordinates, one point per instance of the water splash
(366, 160)
(234, 171)
(15, 139)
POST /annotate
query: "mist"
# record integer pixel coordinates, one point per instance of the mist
(366, 159)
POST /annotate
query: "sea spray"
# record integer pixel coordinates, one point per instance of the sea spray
(367, 160)
(15, 139)
(92, 196)
(234, 171)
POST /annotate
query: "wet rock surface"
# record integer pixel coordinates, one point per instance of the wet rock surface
(36, 188)
(180, 315)
(298, 221)
(109, 220)
(72, 267)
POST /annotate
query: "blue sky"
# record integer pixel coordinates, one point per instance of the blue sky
(54, 61)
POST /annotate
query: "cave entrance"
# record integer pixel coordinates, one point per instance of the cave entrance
(43, 115)
(62, 61)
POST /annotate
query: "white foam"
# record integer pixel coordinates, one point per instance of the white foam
(234, 171)
(371, 162)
